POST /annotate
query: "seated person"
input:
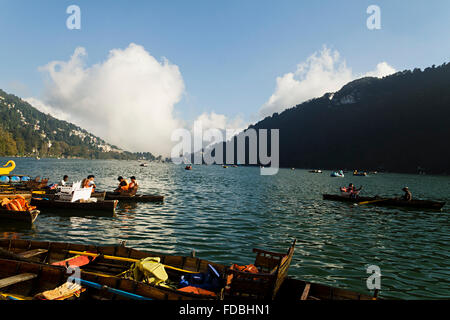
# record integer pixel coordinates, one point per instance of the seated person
(123, 185)
(64, 180)
(408, 195)
(133, 185)
(89, 182)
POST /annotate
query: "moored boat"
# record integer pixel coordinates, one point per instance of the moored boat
(27, 217)
(103, 270)
(339, 174)
(21, 280)
(394, 202)
(74, 208)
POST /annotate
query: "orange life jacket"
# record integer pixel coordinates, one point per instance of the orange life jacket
(250, 268)
(125, 187)
(196, 290)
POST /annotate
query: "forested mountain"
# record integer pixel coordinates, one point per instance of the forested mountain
(25, 131)
(400, 123)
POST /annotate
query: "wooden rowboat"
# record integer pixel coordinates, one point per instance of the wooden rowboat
(419, 204)
(25, 281)
(71, 208)
(134, 198)
(101, 270)
(19, 216)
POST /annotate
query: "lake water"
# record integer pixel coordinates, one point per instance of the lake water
(223, 213)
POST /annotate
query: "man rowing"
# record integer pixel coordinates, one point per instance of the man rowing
(350, 191)
(408, 195)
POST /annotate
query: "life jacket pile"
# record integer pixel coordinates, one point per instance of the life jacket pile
(250, 268)
(17, 204)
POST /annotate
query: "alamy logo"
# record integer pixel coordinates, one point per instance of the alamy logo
(374, 280)
(75, 275)
(251, 143)
(74, 20)
(374, 20)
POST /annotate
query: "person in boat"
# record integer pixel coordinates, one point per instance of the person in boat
(351, 190)
(64, 180)
(408, 195)
(133, 185)
(89, 182)
(123, 185)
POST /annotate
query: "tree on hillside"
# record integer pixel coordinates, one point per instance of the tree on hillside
(7, 144)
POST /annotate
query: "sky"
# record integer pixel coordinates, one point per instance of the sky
(137, 70)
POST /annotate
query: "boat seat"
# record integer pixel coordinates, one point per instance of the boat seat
(273, 268)
(31, 253)
(6, 282)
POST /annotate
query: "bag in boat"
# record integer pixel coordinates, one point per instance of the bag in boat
(67, 290)
(209, 280)
(148, 270)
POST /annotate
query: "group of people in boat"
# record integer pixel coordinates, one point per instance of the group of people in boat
(352, 192)
(127, 187)
(123, 187)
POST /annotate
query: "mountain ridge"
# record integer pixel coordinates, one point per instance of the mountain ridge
(399, 123)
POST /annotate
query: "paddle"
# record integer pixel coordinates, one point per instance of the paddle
(112, 290)
(371, 201)
(123, 259)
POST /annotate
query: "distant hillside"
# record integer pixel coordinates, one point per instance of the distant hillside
(400, 123)
(25, 131)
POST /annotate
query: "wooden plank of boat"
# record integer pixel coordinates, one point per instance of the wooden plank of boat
(291, 289)
(9, 281)
(48, 205)
(134, 198)
(20, 216)
(32, 253)
(295, 289)
(415, 203)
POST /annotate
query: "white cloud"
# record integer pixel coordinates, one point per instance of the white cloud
(322, 72)
(382, 70)
(128, 100)
(224, 127)
(47, 109)
(214, 120)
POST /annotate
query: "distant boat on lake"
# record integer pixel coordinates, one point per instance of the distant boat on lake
(339, 174)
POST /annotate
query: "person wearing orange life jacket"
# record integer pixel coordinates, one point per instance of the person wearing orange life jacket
(133, 185)
(123, 185)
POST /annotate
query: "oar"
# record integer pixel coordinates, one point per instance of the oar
(112, 290)
(123, 259)
(9, 297)
(371, 201)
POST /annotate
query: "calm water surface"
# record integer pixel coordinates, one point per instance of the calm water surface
(223, 213)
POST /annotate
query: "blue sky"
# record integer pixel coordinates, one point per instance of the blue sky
(229, 52)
